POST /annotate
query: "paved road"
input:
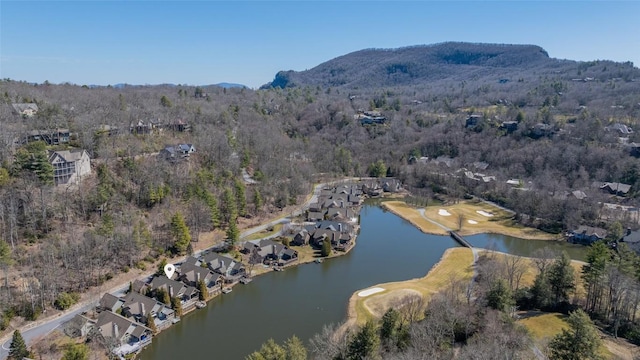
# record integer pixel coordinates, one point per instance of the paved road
(33, 331)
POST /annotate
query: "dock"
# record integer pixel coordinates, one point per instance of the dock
(459, 239)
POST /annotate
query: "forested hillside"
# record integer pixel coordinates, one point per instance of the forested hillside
(66, 239)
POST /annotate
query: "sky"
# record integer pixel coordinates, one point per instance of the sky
(206, 42)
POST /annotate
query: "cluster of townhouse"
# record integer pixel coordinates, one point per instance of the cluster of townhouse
(157, 126)
(124, 321)
(334, 217)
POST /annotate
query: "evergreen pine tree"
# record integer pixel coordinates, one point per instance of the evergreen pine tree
(18, 348)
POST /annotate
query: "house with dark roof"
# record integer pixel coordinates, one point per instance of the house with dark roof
(109, 302)
(301, 238)
(587, 234)
(230, 269)
(621, 129)
(51, 137)
(177, 152)
(269, 251)
(615, 188)
(188, 295)
(191, 273)
(139, 307)
(128, 335)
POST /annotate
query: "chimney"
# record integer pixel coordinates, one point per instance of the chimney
(115, 331)
(142, 312)
(340, 227)
(197, 276)
(170, 290)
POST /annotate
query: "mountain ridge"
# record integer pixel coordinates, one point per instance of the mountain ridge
(416, 64)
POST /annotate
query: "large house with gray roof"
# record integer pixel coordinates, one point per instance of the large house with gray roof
(69, 166)
(127, 336)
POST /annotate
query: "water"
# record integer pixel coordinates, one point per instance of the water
(300, 300)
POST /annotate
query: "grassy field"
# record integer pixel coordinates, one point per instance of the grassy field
(544, 326)
(474, 219)
(412, 215)
(455, 265)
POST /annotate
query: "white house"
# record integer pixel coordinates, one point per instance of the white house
(69, 166)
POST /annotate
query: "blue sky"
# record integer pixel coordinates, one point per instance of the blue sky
(206, 42)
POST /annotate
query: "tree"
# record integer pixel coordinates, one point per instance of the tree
(580, 342)
(33, 158)
(163, 296)
(365, 343)
(76, 352)
(233, 234)
(499, 296)
(394, 334)
(176, 305)
(18, 348)
(326, 248)
(241, 198)
(151, 324)
(593, 272)
(295, 349)
(269, 351)
(180, 233)
(257, 200)
(377, 169)
(562, 278)
(202, 287)
(615, 231)
(165, 102)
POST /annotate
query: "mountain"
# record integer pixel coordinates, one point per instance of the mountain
(227, 85)
(424, 63)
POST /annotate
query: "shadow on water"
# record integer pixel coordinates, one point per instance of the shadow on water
(300, 300)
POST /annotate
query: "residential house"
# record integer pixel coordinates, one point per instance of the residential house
(301, 238)
(51, 137)
(188, 295)
(621, 129)
(78, 326)
(69, 166)
(109, 302)
(179, 125)
(391, 185)
(509, 126)
(473, 121)
(139, 307)
(139, 286)
(615, 188)
(127, 335)
(174, 153)
(231, 269)
(143, 128)
(587, 234)
(315, 216)
(25, 110)
(269, 251)
(632, 239)
(191, 273)
(540, 130)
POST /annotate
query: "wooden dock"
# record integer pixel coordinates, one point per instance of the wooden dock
(459, 239)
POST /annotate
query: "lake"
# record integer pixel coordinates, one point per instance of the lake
(300, 300)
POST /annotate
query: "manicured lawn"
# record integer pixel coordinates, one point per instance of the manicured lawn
(474, 219)
(412, 215)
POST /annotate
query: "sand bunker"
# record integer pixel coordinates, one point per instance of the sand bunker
(484, 213)
(472, 222)
(443, 212)
(371, 291)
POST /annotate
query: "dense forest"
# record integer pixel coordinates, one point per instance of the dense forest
(441, 112)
